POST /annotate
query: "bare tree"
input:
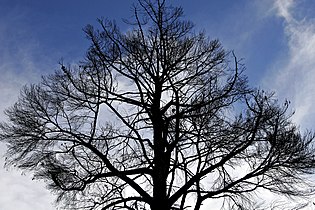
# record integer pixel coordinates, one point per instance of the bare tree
(159, 117)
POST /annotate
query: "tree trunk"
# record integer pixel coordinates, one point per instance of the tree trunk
(161, 161)
(160, 206)
(160, 200)
(160, 172)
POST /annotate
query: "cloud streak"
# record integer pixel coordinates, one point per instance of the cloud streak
(293, 77)
(19, 65)
(16, 191)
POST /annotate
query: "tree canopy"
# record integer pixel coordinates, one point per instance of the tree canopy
(158, 117)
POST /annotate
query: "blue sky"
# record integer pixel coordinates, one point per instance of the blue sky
(275, 39)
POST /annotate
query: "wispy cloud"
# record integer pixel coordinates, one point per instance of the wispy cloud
(16, 191)
(19, 192)
(294, 77)
(19, 65)
(283, 8)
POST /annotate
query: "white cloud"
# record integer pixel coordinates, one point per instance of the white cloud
(16, 191)
(293, 77)
(20, 192)
(17, 68)
(283, 8)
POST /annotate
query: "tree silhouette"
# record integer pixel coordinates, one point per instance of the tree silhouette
(159, 117)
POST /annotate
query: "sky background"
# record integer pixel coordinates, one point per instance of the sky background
(275, 39)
